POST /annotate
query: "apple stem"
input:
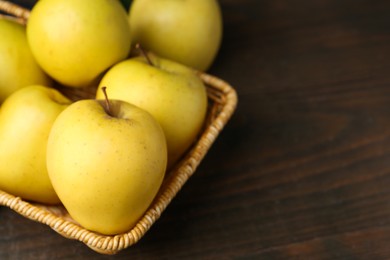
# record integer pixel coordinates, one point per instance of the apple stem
(144, 53)
(108, 106)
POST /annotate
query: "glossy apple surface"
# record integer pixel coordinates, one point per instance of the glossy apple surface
(106, 167)
(189, 32)
(26, 118)
(18, 67)
(75, 41)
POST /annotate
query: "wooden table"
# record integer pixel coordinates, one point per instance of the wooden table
(302, 170)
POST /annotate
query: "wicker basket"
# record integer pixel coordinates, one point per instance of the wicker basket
(222, 103)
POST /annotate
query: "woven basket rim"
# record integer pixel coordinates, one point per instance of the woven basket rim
(223, 101)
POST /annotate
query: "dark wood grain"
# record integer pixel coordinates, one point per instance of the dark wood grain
(302, 171)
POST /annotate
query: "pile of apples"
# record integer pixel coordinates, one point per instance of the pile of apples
(105, 157)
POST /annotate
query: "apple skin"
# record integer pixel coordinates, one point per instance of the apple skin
(26, 118)
(189, 32)
(75, 41)
(106, 170)
(18, 67)
(171, 92)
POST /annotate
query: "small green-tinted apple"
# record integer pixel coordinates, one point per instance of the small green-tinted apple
(188, 32)
(26, 118)
(171, 92)
(75, 41)
(106, 167)
(18, 67)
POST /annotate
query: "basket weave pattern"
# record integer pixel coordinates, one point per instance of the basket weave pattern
(222, 103)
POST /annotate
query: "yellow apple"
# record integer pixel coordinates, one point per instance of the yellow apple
(26, 118)
(75, 41)
(18, 67)
(171, 92)
(188, 32)
(106, 165)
